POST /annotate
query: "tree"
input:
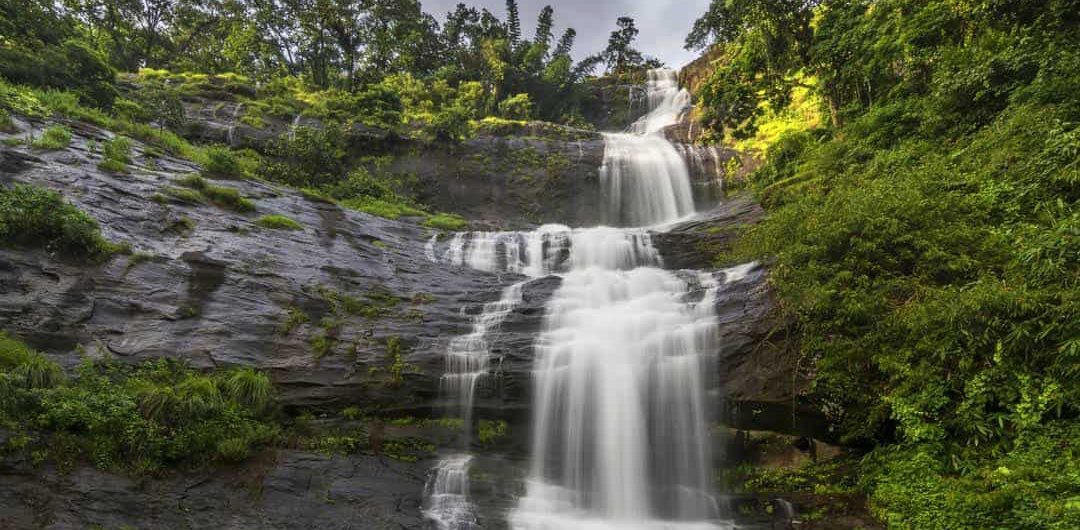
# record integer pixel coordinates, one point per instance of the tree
(543, 27)
(767, 42)
(620, 54)
(513, 23)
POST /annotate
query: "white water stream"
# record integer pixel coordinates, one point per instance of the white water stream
(620, 419)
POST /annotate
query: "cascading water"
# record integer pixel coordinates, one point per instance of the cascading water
(620, 419)
(645, 179)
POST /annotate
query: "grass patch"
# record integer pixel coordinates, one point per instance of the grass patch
(117, 155)
(278, 222)
(293, 319)
(382, 207)
(446, 221)
(32, 217)
(53, 138)
(220, 195)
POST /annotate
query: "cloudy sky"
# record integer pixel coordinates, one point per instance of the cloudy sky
(663, 23)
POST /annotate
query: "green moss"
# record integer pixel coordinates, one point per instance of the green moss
(53, 138)
(445, 221)
(382, 208)
(293, 318)
(322, 345)
(491, 431)
(185, 195)
(112, 166)
(397, 366)
(279, 222)
(407, 449)
(219, 195)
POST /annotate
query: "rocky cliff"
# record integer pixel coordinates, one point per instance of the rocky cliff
(319, 309)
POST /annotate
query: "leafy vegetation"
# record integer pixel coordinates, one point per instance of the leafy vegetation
(279, 222)
(140, 420)
(220, 195)
(54, 137)
(38, 218)
(116, 153)
(924, 237)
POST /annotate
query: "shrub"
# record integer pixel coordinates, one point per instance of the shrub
(148, 418)
(54, 137)
(35, 217)
(117, 155)
(233, 449)
(451, 124)
(112, 166)
(22, 367)
(249, 388)
(279, 222)
(222, 162)
(307, 157)
(72, 65)
(517, 107)
(491, 431)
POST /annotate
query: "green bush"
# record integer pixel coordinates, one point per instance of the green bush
(24, 368)
(517, 107)
(306, 157)
(117, 155)
(279, 222)
(446, 221)
(54, 137)
(221, 162)
(35, 217)
(140, 420)
(72, 65)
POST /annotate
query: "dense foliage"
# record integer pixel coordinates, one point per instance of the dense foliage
(36, 217)
(927, 239)
(340, 45)
(140, 420)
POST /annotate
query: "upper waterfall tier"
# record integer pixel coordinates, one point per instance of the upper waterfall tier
(645, 179)
(551, 249)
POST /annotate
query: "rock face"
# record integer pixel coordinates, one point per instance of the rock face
(511, 181)
(216, 289)
(283, 490)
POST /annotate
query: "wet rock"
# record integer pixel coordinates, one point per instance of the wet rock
(694, 244)
(282, 490)
(217, 289)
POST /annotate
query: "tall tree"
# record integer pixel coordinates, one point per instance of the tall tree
(513, 22)
(566, 43)
(544, 24)
(620, 54)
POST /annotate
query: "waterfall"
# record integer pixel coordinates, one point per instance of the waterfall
(645, 179)
(620, 426)
(230, 132)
